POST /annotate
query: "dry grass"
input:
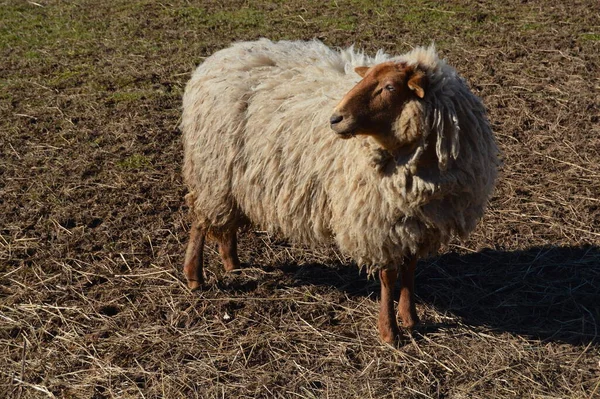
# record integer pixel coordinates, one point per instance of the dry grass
(92, 300)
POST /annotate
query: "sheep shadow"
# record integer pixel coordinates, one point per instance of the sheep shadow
(547, 293)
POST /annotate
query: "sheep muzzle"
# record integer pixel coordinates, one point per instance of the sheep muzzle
(344, 126)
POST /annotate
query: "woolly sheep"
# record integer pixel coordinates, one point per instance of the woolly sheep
(259, 150)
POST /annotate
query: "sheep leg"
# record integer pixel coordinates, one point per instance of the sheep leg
(228, 249)
(193, 264)
(388, 328)
(407, 310)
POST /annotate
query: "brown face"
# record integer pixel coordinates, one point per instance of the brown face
(372, 106)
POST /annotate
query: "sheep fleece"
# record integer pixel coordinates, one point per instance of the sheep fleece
(258, 150)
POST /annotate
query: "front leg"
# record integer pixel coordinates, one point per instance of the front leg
(407, 310)
(388, 328)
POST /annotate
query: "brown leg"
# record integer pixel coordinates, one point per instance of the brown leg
(388, 328)
(192, 266)
(228, 249)
(407, 310)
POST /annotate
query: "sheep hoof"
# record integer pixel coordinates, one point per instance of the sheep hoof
(194, 284)
(410, 322)
(409, 318)
(389, 334)
(389, 338)
(231, 266)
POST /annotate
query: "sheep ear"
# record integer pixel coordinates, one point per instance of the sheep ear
(362, 71)
(417, 82)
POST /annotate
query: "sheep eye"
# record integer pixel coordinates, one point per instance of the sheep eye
(390, 87)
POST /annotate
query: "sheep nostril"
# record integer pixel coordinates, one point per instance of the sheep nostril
(335, 119)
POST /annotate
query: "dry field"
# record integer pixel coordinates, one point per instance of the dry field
(93, 224)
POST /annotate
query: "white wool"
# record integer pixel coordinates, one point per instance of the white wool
(258, 150)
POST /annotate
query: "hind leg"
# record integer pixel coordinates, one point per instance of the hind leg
(227, 241)
(193, 264)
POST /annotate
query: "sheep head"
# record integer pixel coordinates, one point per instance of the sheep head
(372, 106)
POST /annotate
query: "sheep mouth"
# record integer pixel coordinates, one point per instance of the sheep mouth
(345, 130)
(346, 135)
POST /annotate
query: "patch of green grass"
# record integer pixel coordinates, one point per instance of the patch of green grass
(421, 15)
(32, 55)
(232, 19)
(33, 27)
(135, 161)
(376, 7)
(425, 16)
(241, 18)
(529, 26)
(189, 14)
(590, 37)
(125, 96)
(63, 78)
(340, 22)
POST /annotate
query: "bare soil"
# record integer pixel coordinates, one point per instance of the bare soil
(93, 224)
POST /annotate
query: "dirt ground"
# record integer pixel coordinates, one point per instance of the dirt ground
(93, 224)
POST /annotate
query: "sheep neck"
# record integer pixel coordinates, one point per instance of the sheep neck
(394, 147)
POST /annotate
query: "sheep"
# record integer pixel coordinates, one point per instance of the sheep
(385, 157)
